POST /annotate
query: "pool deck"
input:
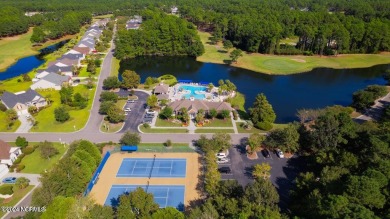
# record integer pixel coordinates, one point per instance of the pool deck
(108, 177)
(175, 94)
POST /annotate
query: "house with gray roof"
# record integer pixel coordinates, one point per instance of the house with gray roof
(60, 69)
(22, 100)
(52, 81)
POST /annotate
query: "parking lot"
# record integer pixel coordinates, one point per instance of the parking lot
(136, 115)
(283, 170)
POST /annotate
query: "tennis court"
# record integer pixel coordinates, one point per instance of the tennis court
(164, 196)
(149, 167)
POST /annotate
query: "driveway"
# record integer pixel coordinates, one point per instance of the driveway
(34, 178)
(283, 171)
(135, 117)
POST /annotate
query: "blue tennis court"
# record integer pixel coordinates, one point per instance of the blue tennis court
(145, 167)
(165, 196)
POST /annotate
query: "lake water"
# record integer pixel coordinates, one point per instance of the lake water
(25, 65)
(287, 93)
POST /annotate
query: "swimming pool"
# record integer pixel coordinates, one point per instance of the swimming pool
(192, 90)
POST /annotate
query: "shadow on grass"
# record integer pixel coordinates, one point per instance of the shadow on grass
(222, 51)
(227, 61)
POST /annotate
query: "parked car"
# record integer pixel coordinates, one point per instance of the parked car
(266, 153)
(150, 112)
(9, 180)
(128, 109)
(224, 170)
(147, 121)
(279, 153)
(221, 155)
(222, 160)
(126, 113)
(149, 115)
(130, 101)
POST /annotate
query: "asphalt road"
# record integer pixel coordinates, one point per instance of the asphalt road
(375, 112)
(283, 170)
(135, 117)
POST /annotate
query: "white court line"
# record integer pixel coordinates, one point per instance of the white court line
(133, 167)
(170, 172)
(166, 199)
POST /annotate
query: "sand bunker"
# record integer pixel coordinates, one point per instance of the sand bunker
(299, 60)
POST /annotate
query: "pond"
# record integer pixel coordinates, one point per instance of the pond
(26, 64)
(287, 93)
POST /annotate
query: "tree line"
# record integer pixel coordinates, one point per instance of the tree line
(160, 34)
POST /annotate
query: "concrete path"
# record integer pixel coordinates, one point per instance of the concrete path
(191, 127)
(234, 124)
(375, 112)
(25, 125)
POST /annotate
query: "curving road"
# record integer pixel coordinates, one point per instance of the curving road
(91, 129)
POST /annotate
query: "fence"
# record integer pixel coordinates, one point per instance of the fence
(95, 176)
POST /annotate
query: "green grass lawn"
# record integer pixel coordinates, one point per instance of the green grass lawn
(160, 147)
(166, 123)
(4, 125)
(200, 130)
(14, 48)
(272, 64)
(161, 130)
(115, 67)
(36, 164)
(12, 84)
(112, 127)
(172, 80)
(78, 117)
(18, 195)
(84, 73)
(219, 123)
(240, 129)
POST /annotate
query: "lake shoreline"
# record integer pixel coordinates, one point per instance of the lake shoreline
(286, 65)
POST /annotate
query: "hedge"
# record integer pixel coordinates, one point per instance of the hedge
(28, 150)
(20, 167)
(6, 189)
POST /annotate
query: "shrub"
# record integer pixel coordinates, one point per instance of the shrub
(28, 150)
(6, 189)
(61, 114)
(21, 142)
(168, 143)
(22, 182)
(235, 115)
(20, 167)
(266, 126)
(129, 138)
(3, 108)
(11, 169)
(18, 160)
(146, 125)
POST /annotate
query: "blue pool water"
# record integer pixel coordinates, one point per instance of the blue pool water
(192, 89)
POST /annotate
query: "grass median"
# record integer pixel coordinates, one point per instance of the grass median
(200, 130)
(161, 130)
(272, 64)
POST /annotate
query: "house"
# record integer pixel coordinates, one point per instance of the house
(134, 23)
(174, 10)
(89, 45)
(8, 154)
(52, 80)
(161, 89)
(82, 50)
(60, 68)
(132, 26)
(193, 106)
(22, 100)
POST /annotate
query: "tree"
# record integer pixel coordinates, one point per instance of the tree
(262, 171)
(22, 182)
(149, 81)
(227, 44)
(38, 35)
(105, 106)
(26, 77)
(66, 94)
(47, 150)
(136, 204)
(152, 101)
(79, 101)
(168, 212)
(129, 138)
(91, 66)
(213, 113)
(261, 111)
(130, 79)
(61, 114)
(199, 117)
(111, 82)
(235, 54)
(108, 96)
(81, 207)
(255, 140)
(32, 109)
(221, 141)
(210, 87)
(224, 114)
(262, 193)
(21, 142)
(59, 207)
(115, 114)
(11, 114)
(285, 139)
(101, 212)
(166, 113)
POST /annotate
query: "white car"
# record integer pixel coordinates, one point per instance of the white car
(126, 113)
(221, 155)
(222, 160)
(151, 112)
(128, 110)
(279, 153)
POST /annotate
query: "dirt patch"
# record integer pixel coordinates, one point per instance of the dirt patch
(107, 148)
(299, 60)
(249, 155)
